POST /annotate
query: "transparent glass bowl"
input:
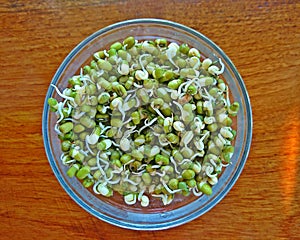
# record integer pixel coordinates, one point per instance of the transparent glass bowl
(184, 209)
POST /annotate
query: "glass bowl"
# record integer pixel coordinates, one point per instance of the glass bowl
(113, 210)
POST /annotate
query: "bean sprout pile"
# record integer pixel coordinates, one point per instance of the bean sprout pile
(146, 119)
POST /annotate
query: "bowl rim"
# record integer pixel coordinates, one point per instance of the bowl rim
(193, 215)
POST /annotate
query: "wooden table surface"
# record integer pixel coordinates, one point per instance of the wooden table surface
(262, 38)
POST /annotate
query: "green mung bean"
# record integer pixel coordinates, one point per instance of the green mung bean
(146, 117)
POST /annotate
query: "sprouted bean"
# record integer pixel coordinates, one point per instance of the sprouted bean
(146, 119)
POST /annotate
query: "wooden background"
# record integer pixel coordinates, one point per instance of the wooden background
(262, 38)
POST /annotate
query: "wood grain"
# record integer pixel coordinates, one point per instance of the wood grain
(262, 38)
